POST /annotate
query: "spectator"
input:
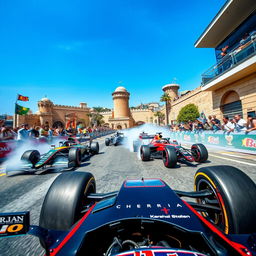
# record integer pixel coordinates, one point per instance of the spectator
(60, 131)
(216, 126)
(224, 51)
(251, 124)
(34, 133)
(23, 133)
(245, 39)
(43, 132)
(7, 134)
(227, 125)
(240, 123)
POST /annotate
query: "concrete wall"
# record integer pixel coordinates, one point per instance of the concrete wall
(203, 100)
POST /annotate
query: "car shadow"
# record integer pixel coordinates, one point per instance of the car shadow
(84, 164)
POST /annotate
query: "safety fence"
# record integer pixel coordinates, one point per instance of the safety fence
(232, 141)
(7, 146)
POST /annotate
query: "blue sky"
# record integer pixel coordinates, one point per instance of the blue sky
(78, 50)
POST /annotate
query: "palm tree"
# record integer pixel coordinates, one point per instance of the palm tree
(159, 116)
(96, 117)
(167, 99)
(98, 109)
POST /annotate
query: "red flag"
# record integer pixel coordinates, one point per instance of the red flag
(22, 98)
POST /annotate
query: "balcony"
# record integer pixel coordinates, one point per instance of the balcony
(236, 65)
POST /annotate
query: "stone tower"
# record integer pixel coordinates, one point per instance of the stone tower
(45, 111)
(171, 90)
(122, 117)
(121, 102)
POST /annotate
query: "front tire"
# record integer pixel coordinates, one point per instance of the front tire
(170, 157)
(94, 149)
(145, 153)
(74, 157)
(199, 152)
(65, 200)
(234, 193)
(107, 141)
(31, 156)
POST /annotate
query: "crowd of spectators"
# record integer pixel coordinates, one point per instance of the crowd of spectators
(25, 131)
(235, 124)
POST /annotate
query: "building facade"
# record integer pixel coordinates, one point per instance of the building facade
(56, 115)
(229, 86)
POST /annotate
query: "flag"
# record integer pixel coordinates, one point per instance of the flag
(22, 98)
(19, 110)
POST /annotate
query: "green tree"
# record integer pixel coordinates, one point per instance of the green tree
(188, 113)
(98, 109)
(167, 99)
(96, 117)
(160, 117)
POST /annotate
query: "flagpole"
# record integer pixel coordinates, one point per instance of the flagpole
(15, 115)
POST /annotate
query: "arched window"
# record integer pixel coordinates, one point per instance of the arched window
(231, 104)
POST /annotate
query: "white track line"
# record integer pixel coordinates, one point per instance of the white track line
(237, 156)
(233, 160)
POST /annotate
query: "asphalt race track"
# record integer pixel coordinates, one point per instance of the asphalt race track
(110, 168)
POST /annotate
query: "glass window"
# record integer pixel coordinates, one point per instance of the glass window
(242, 35)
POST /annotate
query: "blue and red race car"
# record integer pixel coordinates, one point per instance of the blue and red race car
(145, 217)
(171, 152)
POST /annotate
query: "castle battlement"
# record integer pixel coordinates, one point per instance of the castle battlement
(66, 106)
(140, 110)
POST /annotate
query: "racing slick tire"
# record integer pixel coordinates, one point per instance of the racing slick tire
(234, 193)
(74, 157)
(94, 148)
(107, 141)
(65, 200)
(199, 152)
(145, 153)
(169, 157)
(31, 156)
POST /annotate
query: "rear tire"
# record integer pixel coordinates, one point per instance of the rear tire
(107, 141)
(74, 157)
(94, 149)
(31, 156)
(170, 157)
(234, 193)
(145, 153)
(65, 200)
(199, 152)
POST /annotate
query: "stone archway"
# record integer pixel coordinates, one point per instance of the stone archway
(231, 104)
(119, 127)
(57, 124)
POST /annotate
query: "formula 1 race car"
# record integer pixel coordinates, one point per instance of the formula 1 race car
(143, 139)
(171, 152)
(116, 139)
(145, 217)
(74, 150)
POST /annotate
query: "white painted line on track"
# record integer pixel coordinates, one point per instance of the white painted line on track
(237, 156)
(233, 160)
